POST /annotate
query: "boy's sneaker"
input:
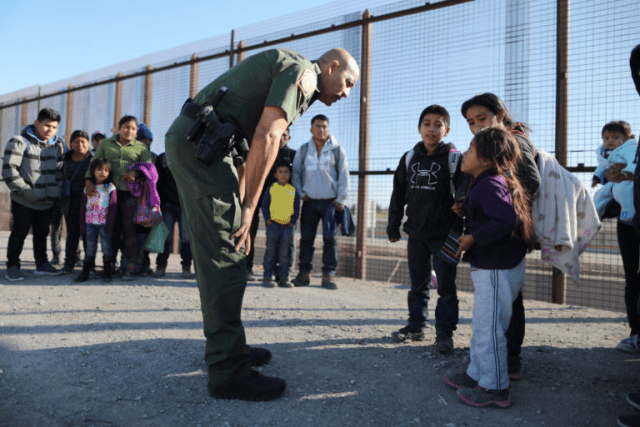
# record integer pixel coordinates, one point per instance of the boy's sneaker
(481, 397)
(460, 380)
(268, 283)
(284, 283)
(160, 272)
(302, 279)
(329, 282)
(187, 274)
(444, 344)
(406, 333)
(47, 269)
(629, 420)
(13, 274)
(634, 400)
(514, 365)
(55, 260)
(629, 344)
(250, 276)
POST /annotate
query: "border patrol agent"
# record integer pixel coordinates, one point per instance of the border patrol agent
(257, 99)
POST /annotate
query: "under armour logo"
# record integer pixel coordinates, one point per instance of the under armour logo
(431, 173)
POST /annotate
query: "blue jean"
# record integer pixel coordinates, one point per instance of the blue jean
(93, 231)
(312, 212)
(172, 213)
(419, 254)
(279, 237)
(495, 292)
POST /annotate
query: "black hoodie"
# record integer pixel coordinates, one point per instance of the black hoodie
(424, 188)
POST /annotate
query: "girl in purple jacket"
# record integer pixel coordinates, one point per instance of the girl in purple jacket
(498, 228)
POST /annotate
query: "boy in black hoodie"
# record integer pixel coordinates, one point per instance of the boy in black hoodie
(423, 183)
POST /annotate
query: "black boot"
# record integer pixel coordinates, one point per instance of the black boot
(89, 262)
(106, 273)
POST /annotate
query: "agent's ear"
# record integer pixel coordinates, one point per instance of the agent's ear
(446, 132)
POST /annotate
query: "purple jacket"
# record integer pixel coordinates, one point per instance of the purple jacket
(151, 179)
(490, 219)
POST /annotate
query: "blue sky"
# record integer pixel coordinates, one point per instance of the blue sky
(43, 42)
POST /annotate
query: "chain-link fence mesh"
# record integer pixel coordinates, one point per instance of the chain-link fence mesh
(442, 53)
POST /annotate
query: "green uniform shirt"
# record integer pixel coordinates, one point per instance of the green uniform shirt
(277, 77)
(121, 157)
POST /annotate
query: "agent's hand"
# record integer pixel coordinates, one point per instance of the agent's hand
(269, 222)
(393, 240)
(466, 241)
(242, 234)
(339, 206)
(90, 188)
(306, 198)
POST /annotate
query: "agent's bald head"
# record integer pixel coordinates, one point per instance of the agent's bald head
(339, 74)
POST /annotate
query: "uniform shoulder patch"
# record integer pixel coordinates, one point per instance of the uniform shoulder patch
(308, 82)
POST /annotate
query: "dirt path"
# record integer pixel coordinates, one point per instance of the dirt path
(132, 355)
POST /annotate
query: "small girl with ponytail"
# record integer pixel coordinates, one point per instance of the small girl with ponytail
(498, 230)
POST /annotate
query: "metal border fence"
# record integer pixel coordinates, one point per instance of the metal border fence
(551, 61)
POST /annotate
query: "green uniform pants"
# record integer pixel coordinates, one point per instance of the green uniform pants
(211, 204)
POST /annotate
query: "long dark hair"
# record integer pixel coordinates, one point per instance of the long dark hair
(502, 150)
(96, 163)
(494, 104)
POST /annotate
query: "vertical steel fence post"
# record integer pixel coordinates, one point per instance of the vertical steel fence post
(363, 151)
(562, 116)
(148, 95)
(241, 53)
(68, 122)
(24, 113)
(193, 76)
(117, 107)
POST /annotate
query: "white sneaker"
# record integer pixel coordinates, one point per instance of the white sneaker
(629, 344)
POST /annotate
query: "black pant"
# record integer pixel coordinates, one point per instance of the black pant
(23, 219)
(629, 250)
(73, 238)
(56, 230)
(515, 332)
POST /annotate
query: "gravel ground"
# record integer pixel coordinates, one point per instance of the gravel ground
(131, 354)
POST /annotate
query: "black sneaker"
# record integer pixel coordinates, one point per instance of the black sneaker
(406, 333)
(629, 420)
(268, 283)
(13, 274)
(284, 283)
(460, 380)
(259, 356)
(444, 344)
(514, 364)
(481, 397)
(47, 269)
(255, 387)
(634, 400)
(251, 277)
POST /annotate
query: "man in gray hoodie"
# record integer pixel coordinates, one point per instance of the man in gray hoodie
(32, 169)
